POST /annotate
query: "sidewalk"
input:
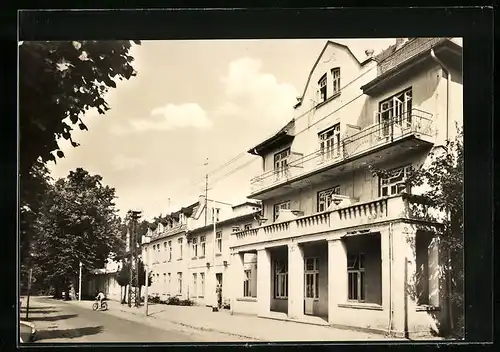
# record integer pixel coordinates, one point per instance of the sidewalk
(241, 326)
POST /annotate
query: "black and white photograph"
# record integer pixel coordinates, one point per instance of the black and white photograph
(241, 190)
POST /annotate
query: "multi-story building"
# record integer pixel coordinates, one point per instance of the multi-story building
(184, 257)
(338, 241)
(209, 251)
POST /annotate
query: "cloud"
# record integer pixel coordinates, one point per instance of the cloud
(121, 162)
(256, 95)
(166, 118)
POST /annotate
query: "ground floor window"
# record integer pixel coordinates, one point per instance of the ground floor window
(427, 270)
(356, 277)
(247, 284)
(202, 283)
(195, 279)
(179, 283)
(280, 279)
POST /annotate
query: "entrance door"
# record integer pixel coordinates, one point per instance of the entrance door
(311, 281)
(218, 280)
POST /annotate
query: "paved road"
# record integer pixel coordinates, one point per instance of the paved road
(58, 321)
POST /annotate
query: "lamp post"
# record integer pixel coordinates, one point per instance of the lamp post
(29, 289)
(80, 283)
(146, 240)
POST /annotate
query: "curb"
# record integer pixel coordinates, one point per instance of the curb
(200, 328)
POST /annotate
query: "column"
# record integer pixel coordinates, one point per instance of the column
(403, 271)
(264, 282)
(235, 278)
(295, 281)
(337, 277)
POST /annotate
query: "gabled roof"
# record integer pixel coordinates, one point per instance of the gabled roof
(328, 43)
(254, 204)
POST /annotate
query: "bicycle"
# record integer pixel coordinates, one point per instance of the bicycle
(95, 306)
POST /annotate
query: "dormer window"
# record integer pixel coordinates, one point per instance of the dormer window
(322, 89)
(335, 80)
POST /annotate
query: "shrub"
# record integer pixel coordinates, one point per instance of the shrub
(175, 301)
(186, 302)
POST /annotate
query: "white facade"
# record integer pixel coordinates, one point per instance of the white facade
(337, 239)
(189, 257)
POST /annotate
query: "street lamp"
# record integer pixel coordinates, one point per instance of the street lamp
(29, 285)
(80, 284)
(146, 240)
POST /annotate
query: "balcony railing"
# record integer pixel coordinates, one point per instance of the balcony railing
(414, 121)
(361, 213)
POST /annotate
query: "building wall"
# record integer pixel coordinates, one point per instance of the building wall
(219, 262)
(159, 265)
(361, 185)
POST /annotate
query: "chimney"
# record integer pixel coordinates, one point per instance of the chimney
(369, 52)
(400, 42)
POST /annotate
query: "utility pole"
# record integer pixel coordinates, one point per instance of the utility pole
(206, 193)
(80, 283)
(134, 259)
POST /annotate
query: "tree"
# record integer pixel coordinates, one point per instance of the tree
(58, 83)
(123, 279)
(78, 222)
(442, 199)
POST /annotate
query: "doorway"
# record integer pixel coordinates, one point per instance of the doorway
(311, 280)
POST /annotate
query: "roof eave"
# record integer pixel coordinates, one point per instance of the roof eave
(402, 67)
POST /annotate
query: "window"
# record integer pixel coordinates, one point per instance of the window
(395, 110)
(180, 247)
(322, 89)
(335, 80)
(280, 279)
(247, 284)
(312, 278)
(215, 214)
(169, 283)
(165, 246)
(325, 198)
(195, 281)
(179, 283)
(394, 183)
(356, 277)
(218, 239)
(236, 229)
(203, 241)
(280, 206)
(281, 163)
(195, 247)
(169, 251)
(329, 143)
(181, 218)
(202, 283)
(165, 287)
(248, 226)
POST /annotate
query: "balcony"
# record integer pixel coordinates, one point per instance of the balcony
(348, 216)
(396, 135)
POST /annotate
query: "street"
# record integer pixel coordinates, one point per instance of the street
(57, 321)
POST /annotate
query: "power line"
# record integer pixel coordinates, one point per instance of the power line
(239, 156)
(296, 119)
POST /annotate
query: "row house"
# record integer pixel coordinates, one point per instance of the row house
(209, 256)
(184, 258)
(339, 243)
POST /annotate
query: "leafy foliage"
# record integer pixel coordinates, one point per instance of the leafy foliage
(441, 184)
(78, 222)
(60, 81)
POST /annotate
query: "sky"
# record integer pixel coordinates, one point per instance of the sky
(193, 100)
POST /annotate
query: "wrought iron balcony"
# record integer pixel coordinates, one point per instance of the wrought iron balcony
(414, 122)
